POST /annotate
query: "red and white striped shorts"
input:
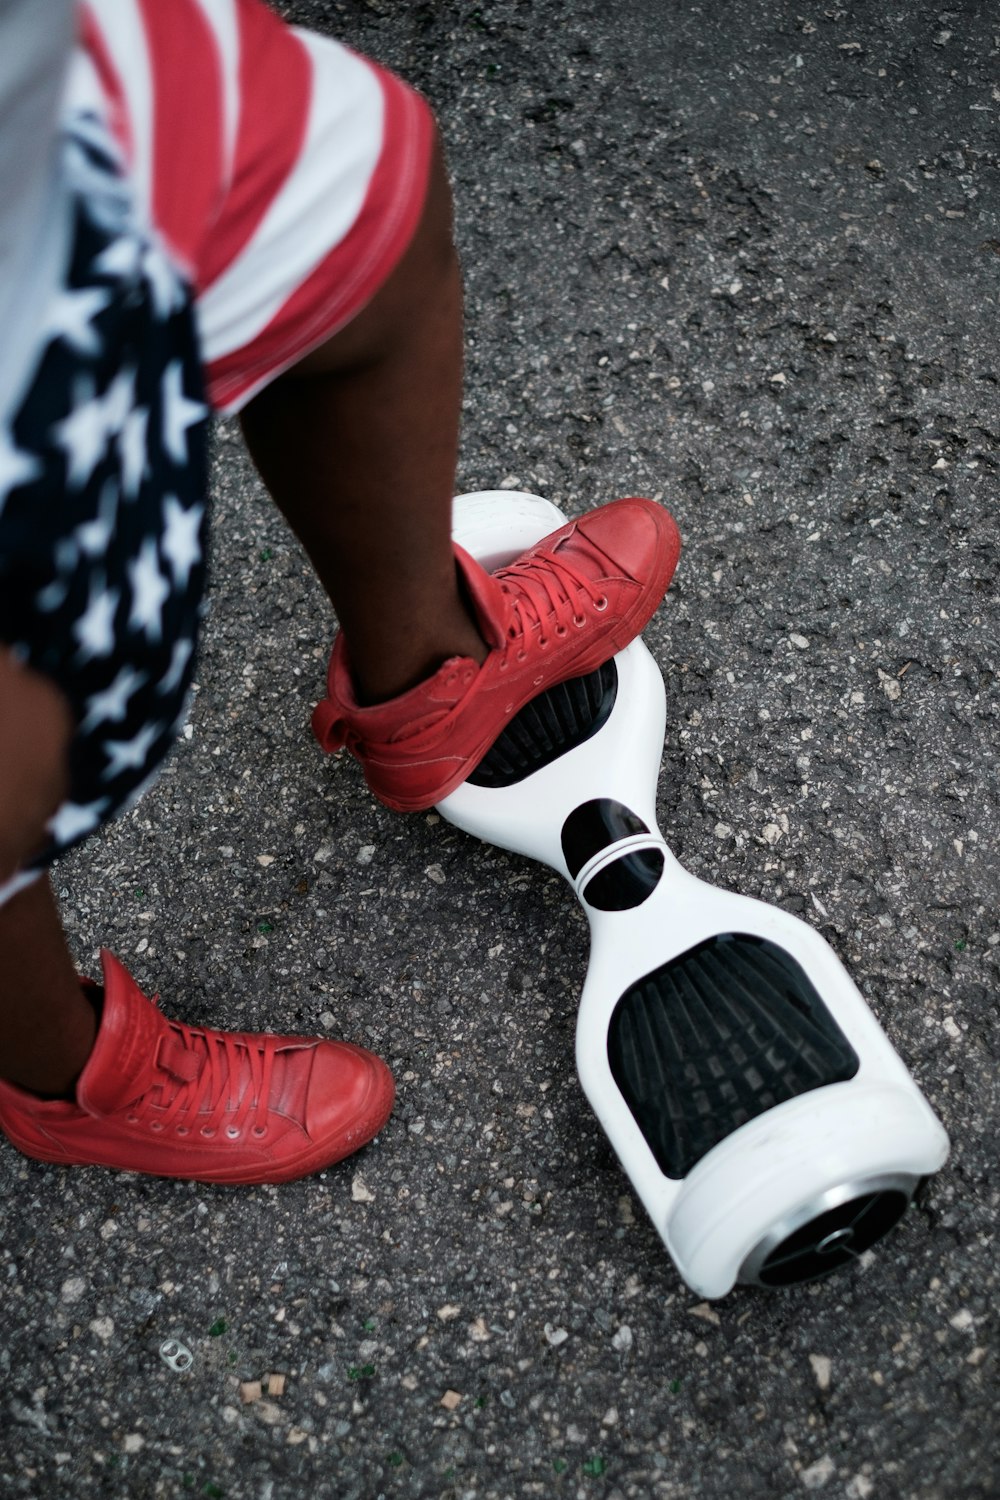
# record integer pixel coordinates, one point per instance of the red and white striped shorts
(284, 174)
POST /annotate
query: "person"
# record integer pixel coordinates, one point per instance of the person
(202, 208)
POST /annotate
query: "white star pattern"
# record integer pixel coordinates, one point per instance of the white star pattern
(16, 466)
(132, 448)
(179, 413)
(93, 537)
(121, 259)
(74, 819)
(110, 705)
(180, 539)
(82, 435)
(54, 594)
(178, 661)
(71, 317)
(164, 283)
(95, 629)
(119, 399)
(100, 493)
(130, 755)
(150, 591)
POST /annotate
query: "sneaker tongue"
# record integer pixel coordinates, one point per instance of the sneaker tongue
(489, 601)
(122, 1064)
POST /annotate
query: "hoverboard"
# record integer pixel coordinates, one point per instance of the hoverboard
(764, 1120)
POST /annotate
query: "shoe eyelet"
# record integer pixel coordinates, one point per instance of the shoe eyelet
(579, 621)
(504, 664)
(561, 631)
(156, 1125)
(543, 643)
(522, 656)
(259, 1132)
(207, 1132)
(232, 1132)
(132, 1119)
(601, 604)
(183, 1130)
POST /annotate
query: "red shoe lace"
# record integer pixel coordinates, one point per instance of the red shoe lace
(211, 1078)
(540, 588)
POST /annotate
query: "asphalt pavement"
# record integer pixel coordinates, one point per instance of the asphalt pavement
(743, 258)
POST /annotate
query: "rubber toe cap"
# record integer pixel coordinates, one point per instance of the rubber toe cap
(638, 536)
(351, 1094)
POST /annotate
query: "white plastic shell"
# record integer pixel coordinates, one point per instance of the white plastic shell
(795, 1158)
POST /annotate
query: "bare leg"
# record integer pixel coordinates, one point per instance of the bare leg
(46, 1024)
(358, 445)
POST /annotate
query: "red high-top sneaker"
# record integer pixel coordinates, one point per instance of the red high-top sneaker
(560, 610)
(172, 1100)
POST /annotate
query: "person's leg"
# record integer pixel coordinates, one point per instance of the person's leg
(47, 1025)
(357, 445)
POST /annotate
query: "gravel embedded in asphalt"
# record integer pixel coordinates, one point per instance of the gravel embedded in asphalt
(745, 259)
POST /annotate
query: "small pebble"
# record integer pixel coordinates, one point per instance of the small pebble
(360, 1191)
(818, 1473)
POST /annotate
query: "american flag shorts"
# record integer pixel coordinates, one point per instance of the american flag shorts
(236, 190)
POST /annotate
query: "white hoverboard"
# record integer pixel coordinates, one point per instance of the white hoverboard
(760, 1112)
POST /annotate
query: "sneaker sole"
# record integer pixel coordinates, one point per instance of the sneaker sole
(378, 1108)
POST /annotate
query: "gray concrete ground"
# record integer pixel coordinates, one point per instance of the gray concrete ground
(743, 257)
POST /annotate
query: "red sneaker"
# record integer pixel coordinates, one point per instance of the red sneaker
(172, 1100)
(562, 609)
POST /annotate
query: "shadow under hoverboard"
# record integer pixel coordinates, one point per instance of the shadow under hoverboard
(770, 1130)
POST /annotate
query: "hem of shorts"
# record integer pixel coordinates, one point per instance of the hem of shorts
(408, 155)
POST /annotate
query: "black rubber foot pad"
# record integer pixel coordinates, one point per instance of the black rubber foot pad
(716, 1037)
(556, 721)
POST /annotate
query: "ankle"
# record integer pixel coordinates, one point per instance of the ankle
(385, 672)
(50, 1067)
